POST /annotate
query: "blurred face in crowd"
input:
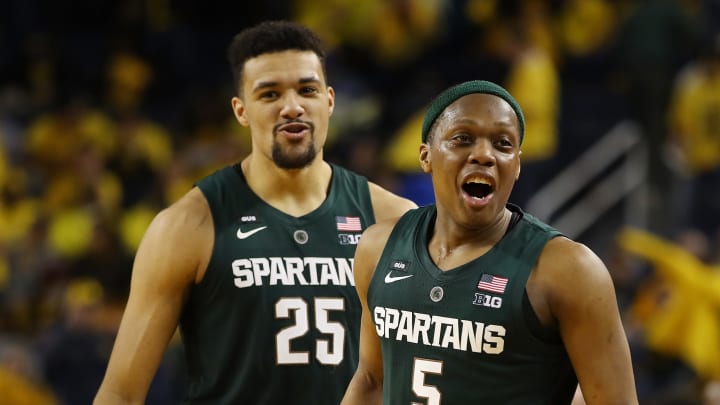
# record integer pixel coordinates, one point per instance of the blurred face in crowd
(287, 106)
(473, 155)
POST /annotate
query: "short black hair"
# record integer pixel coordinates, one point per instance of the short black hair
(269, 37)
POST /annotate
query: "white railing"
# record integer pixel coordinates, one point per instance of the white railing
(570, 205)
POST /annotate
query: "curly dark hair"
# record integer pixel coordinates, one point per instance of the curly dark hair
(269, 37)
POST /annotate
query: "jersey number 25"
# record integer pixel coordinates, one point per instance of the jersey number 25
(327, 351)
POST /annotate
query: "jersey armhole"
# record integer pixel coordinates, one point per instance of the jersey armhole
(543, 333)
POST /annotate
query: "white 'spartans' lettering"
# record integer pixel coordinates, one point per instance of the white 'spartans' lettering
(293, 271)
(439, 331)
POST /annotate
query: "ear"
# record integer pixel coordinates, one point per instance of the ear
(517, 174)
(331, 99)
(239, 110)
(425, 158)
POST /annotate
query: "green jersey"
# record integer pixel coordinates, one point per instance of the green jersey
(467, 335)
(276, 318)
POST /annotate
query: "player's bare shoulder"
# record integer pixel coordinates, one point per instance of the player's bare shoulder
(182, 232)
(568, 256)
(387, 205)
(188, 217)
(564, 262)
(376, 235)
(567, 272)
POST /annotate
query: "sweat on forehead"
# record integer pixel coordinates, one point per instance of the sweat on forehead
(447, 97)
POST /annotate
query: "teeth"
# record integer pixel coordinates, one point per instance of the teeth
(478, 180)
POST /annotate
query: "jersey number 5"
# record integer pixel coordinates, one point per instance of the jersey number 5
(327, 351)
(421, 367)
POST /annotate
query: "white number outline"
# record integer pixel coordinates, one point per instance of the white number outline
(421, 367)
(327, 351)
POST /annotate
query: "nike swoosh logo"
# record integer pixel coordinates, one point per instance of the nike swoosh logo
(390, 279)
(244, 235)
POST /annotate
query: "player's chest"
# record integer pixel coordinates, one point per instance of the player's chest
(267, 235)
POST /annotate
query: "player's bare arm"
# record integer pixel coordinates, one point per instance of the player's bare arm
(387, 205)
(572, 289)
(171, 257)
(366, 385)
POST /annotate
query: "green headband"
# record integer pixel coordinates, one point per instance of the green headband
(449, 96)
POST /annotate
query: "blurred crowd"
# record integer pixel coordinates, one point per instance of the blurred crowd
(109, 110)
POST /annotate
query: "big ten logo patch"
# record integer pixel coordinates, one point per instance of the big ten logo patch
(486, 300)
(348, 238)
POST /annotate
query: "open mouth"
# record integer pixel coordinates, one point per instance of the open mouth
(294, 128)
(477, 188)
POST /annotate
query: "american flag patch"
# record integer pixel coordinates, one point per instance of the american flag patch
(495, 284)
(351, 224)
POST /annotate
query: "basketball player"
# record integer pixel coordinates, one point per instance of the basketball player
(255, 262)
(471, 300)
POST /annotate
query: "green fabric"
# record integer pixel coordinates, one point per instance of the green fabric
(276, 318)
(443, 329)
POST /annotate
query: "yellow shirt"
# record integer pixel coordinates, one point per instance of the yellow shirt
(687, 323)
(17, 390)
(533, 81)
(695, 117)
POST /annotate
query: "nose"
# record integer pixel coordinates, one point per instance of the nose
(292, 105)
(482, 153)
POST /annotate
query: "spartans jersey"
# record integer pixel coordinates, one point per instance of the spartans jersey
(467, 335)
(276, 317)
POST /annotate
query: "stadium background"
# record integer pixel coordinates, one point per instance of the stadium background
(109, 110)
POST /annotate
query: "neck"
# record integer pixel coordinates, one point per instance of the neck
(293, 191)
(452, 244)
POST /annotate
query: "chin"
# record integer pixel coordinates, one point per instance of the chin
(296, 161)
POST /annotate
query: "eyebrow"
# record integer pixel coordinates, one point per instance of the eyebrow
(303, 80)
